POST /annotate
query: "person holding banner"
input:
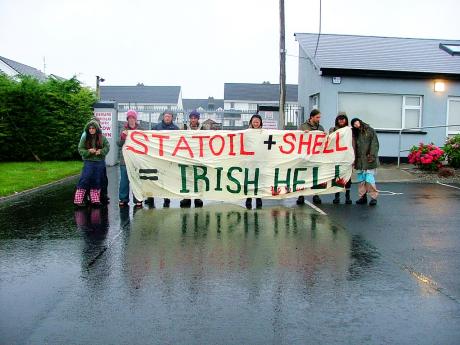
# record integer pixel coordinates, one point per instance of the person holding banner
(123, 190)
(192, 125)
(366, 160)
(312, 124)
(93, 147)
(165, 125)
(341, 121)
(256, 123)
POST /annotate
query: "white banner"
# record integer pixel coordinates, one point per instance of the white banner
(233, 165)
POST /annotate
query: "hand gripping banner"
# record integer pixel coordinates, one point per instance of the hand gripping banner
(233, 165)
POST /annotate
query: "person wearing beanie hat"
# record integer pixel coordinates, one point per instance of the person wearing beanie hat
(166, 124)
(194, 121)
(366, 160)
(256, 123)
(312, 124)
(341, 121)
(123, 190)
(192, 125)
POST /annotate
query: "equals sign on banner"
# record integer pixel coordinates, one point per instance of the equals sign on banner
(148, 174)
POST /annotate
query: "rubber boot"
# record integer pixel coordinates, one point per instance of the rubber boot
(362, 200)
(300, 200)
(79, 198)
(258, 203)
(347, 197)
(166, 203)
(248, 203)
(95, 196)
(336, 199)
(316, 200)
(198, 202)
(186, 203)
(373, 202)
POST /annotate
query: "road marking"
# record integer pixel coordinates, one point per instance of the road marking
(389, 192)
(316, 208)
(447, 185)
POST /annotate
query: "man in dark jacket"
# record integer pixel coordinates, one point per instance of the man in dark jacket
(165, 124)
(312, 124)
(366, 160)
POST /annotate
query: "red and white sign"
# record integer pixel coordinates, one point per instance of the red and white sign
(105, 118)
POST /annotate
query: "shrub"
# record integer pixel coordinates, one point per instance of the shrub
(452, 150)
(426, 157)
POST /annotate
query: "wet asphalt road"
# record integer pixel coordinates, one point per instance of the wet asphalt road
(225, 275)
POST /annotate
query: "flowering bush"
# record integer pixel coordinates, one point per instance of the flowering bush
(426, 157)
(452, 150)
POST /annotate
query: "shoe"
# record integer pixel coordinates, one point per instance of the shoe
(248, 203)
(80, 204)
(166, 203)
(348, 201)
(336, 199)
(373, 202)
(149, 201)
(198, 202)
(300, 200)
(96, 204)
(347, 197)
(185, 203)
(362, 200)
(316, 200)
(258, 203)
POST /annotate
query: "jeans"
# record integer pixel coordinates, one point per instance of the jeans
(123, 191)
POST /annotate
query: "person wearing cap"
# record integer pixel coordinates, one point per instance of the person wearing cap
(192, 125)
(366, 160)
(123, 190)
(166, 124)
(256, 123)
(312, 124)
(341, 121)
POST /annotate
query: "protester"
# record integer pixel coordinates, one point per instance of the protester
(312, 124)
(165, 125)
(123, 191)
(341, 121)
(93, 147)
(192, 125)
(256, 123)
(105, 182)
(366, 160)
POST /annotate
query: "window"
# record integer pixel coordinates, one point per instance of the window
(453, 115)
(246, 117)
(314, 101)
(232, 105)
(452, 49)
(383, 111)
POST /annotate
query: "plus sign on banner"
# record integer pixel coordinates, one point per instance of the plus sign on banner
(232, 165)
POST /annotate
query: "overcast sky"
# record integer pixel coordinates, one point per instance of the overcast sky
(197, 44)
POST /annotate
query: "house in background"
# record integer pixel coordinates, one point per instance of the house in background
(148, 101)
(209, 108)
(14, 69)
(242, 100)
(393, 84)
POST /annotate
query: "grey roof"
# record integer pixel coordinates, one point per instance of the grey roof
(141, 94)
(195, 103)
(24, 69)
(258, 92)
(349, 52)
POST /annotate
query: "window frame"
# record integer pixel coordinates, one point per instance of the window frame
(449, 99)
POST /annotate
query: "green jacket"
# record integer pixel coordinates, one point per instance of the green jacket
(367, 148)
(307, 126)
(84, 152)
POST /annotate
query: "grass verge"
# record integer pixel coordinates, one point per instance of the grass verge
(19, 176)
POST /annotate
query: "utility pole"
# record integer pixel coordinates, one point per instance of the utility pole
(282, 67)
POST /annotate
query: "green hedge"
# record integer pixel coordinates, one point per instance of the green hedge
(42, 120)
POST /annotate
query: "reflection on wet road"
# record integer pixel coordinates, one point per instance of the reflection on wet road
(217, 275)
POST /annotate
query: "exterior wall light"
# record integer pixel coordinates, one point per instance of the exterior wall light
(439, 86)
